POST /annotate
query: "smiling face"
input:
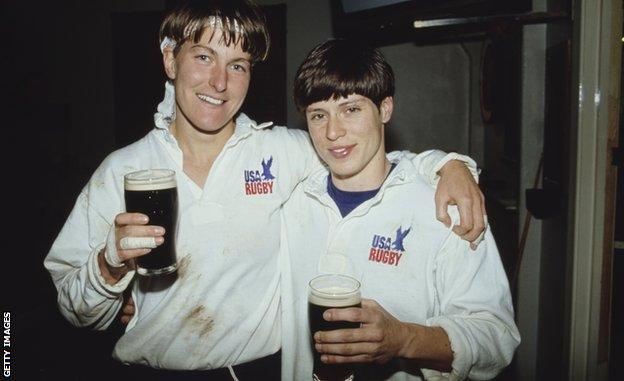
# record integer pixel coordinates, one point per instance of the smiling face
(211, 81)
(348, 134)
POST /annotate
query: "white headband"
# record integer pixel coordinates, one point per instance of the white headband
(165, 113)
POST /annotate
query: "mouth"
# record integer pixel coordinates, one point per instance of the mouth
(341, 152)
(211, 100)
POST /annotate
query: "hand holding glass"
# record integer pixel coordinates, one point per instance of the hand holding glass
(153, 192)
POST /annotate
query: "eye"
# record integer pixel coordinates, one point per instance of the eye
(239, 67)
(316, 116)
(204, 57)
(352, 109)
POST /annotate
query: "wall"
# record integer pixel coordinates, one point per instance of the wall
(532, 131)
(432, 97)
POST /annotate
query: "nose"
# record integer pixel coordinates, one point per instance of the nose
(334, 129)
(218, 78)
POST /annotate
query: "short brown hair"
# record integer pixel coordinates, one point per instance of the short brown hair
(188, 20)
(340, 67)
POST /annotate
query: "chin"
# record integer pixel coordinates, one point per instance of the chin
(210, 125)
(342, 173)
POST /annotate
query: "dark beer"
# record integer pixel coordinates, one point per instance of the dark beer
(331, 291)
(157, 198)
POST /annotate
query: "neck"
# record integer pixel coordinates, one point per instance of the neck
(370, 178)
(200, 146)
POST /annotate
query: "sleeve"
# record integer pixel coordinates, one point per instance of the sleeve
(302, 154)
(84, 298)
(428, 163)
(475, 310)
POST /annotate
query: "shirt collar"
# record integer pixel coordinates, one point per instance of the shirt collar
(316, 183)
(245, 125)
(243, 128)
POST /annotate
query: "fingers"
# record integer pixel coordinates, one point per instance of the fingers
(475, 243)
(333, 359)
(125, 255)
(139, 232)
(368, 313)
(479, 219)
(137, 243)
(131, 219)
(134, 238)
(352, 314)
(349, 335)
(128, 309)
(478, 222)
(347, 349)
(136, 250)
(465, 218)
(441, 210)
(369, 303)
(473, 221)
(138, 240)
(483, 211)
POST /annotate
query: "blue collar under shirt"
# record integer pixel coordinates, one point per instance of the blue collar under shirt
(347, 201)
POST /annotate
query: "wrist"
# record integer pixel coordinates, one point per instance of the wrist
(411, 341)
(452, 165)
(110, 273)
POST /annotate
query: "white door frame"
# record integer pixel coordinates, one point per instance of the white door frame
(597, 33)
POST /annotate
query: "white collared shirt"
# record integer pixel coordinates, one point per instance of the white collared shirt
(415, 267)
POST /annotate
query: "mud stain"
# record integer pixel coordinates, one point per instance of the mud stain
(183, 265)
(201, 321)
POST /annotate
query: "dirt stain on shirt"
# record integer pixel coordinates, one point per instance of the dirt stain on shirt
(201, 321)
(183, 266)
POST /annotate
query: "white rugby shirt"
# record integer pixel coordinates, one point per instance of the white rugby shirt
(224, 307)
(415, 267)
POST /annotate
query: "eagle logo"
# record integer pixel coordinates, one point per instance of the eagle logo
(400, 236)
(266, 169)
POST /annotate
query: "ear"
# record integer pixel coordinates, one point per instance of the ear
(169, 62)
(385, 109)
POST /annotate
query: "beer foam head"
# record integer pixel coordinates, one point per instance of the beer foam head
(150, 179)
(334, 291)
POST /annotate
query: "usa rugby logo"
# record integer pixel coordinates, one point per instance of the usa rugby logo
(260, 182)
(387, 250)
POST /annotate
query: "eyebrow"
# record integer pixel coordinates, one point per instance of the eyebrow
(241, 59)
(213, 52)
(350, 102)
(200, 46)
(341, 104)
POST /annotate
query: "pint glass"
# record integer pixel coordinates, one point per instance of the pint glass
(325, 292)
(153, 192)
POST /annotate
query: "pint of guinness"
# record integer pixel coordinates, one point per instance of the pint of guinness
(325, 292)
(153, 192)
